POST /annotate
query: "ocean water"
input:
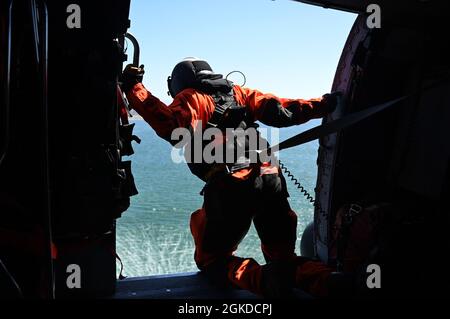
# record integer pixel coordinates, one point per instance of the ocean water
(153, 236)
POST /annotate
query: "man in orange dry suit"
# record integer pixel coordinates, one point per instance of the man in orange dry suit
(238, 193)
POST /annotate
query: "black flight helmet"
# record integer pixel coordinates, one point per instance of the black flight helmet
(188, 74)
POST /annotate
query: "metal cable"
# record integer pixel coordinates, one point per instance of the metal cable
(12, 282)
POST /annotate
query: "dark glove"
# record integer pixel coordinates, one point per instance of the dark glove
(330, 101)
(131, 76)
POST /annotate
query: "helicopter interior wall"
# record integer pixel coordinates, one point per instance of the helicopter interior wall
(402, 155)
(83, 140)
(22, 189)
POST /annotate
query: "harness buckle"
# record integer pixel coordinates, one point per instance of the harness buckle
(353, 211)
(210, 124)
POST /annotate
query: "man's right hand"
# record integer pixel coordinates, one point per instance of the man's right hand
(330, 101)
(131, 76)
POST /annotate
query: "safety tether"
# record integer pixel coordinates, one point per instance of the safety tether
(349, 120)
(335, 126)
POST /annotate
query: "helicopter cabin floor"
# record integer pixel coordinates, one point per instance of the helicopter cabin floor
(180, 286)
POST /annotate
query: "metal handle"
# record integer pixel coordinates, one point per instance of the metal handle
(136, 48)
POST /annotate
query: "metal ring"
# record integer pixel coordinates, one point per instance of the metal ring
(245, 78)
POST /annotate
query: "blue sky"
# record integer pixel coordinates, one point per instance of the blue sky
(284, 47)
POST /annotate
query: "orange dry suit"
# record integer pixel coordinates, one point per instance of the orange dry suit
(255, 193)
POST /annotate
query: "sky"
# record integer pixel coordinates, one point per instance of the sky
(283, 47)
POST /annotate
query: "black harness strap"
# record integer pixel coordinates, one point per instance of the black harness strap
(223, 102)
(227, 114)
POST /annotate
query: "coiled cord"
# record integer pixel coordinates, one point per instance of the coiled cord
(305, 193)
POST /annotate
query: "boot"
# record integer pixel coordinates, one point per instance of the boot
(277, 280)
